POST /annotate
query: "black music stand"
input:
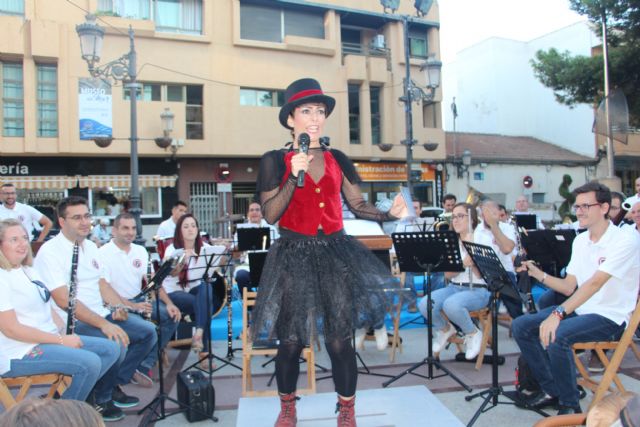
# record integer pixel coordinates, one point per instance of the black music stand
(498, 281)
(207, 279)
(256, 264)
(253, 238)
(527, 221)
(159, 401)
(551, 249)
(426, 253)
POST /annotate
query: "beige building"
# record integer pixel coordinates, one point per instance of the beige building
(221, 67)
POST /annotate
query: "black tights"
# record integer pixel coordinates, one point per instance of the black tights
(343, 366)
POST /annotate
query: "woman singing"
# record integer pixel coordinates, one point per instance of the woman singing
(184, 285)
(466, 291)
(316, 277)
(32, 335)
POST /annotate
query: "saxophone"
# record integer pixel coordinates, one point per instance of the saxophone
(73, 291)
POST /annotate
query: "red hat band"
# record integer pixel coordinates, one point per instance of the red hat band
(304, 94)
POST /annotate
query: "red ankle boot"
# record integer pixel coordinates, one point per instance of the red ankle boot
(347, 412)
(287, 417)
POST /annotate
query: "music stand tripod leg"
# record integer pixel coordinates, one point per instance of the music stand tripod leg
(430, 361)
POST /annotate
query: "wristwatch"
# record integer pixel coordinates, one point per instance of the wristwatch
(559, 311)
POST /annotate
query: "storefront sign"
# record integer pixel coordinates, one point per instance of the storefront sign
(94, 108)
(14, 169)
(386, 171)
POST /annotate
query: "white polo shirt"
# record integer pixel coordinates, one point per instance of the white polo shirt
(26, 214)
(483, 236)
(19, 294)
(53, 263)
(166, 229)
(124, 270)
(196, 265)
(618, 254)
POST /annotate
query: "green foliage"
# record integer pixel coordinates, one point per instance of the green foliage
(580, 79)
(569, 198)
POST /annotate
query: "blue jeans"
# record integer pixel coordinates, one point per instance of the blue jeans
(437, 282)
(85, 365)
(456, 302)
(167, 328)
(194, 303)
(554, 368)
(142, 338)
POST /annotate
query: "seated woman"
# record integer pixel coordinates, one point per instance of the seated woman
(32, 335)
(184, 285)
(465, 292)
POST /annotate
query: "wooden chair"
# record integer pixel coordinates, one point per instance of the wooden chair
(599, 388)
(249, 351)
(484, 321)
(58, 383)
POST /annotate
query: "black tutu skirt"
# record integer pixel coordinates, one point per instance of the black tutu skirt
(329, 284)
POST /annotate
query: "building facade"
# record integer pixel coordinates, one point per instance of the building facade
(221, 67)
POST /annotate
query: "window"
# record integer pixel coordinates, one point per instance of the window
(418, 46)
(112, 201)
(175, 93)
(537, 197)
(132, 9)
(354, 113)
(150, 92)
(351, 41)
(194, 112)
(261, 97)
(12, 7)
(47, 76)
(431, 116)
(12, 100)
(376, 129)
(178, 16)
(265, 23)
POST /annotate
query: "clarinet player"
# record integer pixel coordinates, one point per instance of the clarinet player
(135, 335)
(125, 265)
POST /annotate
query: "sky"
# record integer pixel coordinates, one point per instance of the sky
(464, 23)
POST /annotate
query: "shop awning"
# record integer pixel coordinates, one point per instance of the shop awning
(41, 182)
(99, 181)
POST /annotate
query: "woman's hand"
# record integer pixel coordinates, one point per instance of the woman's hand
(72, 341)
(399, 207)
(300, 162)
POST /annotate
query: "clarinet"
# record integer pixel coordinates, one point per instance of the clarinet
(147, 297)
(73, 291)
(524, 281)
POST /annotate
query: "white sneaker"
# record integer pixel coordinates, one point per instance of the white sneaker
(472, 345)
(360, 335)
(382, 340)
(441, 337)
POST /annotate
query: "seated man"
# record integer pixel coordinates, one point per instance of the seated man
(135, 335)
(125, 265)
(605, 267)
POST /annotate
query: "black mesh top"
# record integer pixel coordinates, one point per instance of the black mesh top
(275, 199)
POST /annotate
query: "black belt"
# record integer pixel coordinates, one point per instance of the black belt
(470, 285)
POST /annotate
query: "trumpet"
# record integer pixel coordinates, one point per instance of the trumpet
(444, 222)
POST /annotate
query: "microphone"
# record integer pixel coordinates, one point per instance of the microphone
(303, 143)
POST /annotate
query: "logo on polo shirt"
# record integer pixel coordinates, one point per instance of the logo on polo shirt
(21, 218)
(137, 263)
(601, 260)
(95, 264)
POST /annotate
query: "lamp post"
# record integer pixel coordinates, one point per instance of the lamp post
(412, 92)
(122, 69)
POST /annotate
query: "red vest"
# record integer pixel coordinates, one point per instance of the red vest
(315, 204)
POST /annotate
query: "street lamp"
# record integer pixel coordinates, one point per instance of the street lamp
(122, 69)
(412, 92)
(463, 166)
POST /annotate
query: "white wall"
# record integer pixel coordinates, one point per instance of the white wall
(546, 179)
(496, 91)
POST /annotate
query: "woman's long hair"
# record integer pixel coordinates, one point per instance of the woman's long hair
(5, 224)
(178, 243)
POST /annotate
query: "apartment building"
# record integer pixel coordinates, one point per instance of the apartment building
(220, 67)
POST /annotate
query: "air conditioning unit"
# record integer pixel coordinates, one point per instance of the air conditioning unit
(377, 42)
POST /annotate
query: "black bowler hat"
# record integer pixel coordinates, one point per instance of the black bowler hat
(300, 92)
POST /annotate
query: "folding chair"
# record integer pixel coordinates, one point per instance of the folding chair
(58, 383)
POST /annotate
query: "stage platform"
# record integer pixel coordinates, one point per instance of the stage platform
(392, 407)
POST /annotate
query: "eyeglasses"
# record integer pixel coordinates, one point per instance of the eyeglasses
(42, 290)
(614, 208)
(459, 216)
(584, 207)
(78, 218)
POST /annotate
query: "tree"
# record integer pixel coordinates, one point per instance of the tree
(580, 79)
